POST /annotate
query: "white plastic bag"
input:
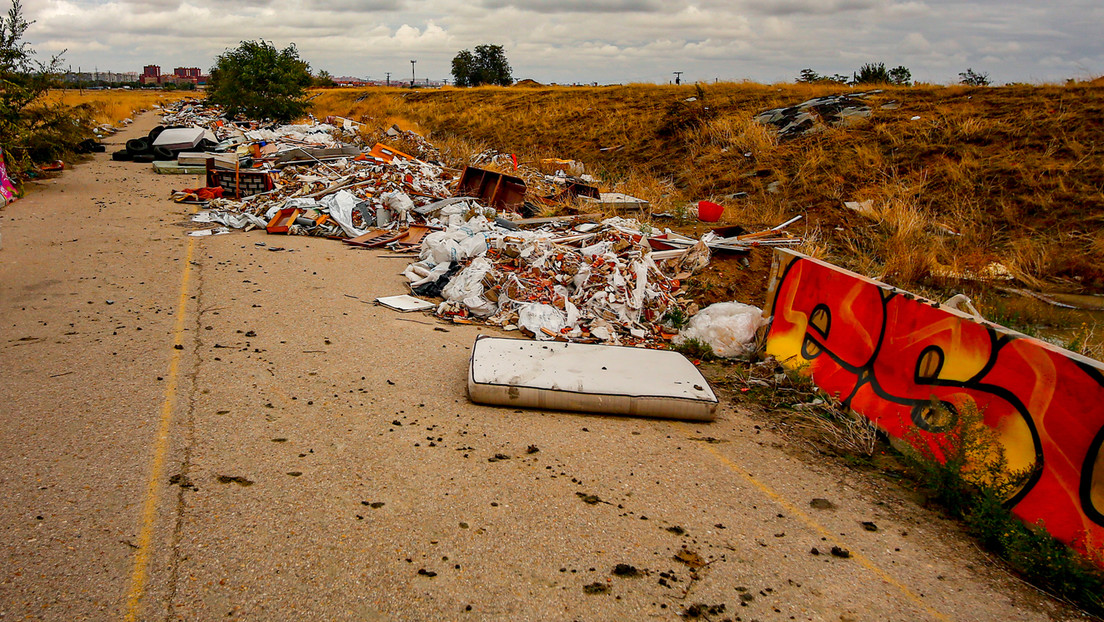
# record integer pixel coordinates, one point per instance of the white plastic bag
(728, 327)
(467, 287)
(340, 207)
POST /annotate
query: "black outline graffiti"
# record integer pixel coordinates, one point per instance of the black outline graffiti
(864, 374)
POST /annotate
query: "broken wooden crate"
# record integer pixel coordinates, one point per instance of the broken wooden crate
(589, 378)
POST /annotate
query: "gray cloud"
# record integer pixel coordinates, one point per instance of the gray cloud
(606, 41)
(580, 6)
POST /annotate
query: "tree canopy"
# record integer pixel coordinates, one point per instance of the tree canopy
(486, 65)
(259, 81)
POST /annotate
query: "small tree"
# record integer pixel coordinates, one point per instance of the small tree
(30, 130)
(871, 73)
(809, 76)
(257, 80)
(323, 80)
(487, 65)
(972, 78)
(900, 75)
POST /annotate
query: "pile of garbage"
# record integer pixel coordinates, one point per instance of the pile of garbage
(579, 277)
(582, 281)
(817, 115)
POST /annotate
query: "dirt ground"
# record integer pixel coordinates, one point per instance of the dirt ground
(227, 427)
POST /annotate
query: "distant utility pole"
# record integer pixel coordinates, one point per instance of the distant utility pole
(412, 73)
(388, 78)
(678, 77)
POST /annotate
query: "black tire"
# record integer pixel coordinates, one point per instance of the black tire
(121, 155)
(143, 157)
(137, 146)
(163, 153)
(154, 133)
(205, 145)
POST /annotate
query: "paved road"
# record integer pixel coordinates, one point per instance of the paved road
(225, 427)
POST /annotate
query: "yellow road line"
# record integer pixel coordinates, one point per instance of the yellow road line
(140, 573)
(808, 520)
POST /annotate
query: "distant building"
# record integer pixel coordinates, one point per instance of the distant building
(110, 77)
(151, 74)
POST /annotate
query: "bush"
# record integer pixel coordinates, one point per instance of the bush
(871, 73)
(32, 131)
(967, 473)
(259, 81)
(972, 78)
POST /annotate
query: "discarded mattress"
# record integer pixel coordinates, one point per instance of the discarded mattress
(588, 378)
(182, 138)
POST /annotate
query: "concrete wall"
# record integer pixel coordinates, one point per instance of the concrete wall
(888, 353)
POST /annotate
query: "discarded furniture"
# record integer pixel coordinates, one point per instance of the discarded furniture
(182, 138)
(283, 220)
(494, 189)
(590, 378)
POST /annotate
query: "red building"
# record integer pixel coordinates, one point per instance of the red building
(151, 74)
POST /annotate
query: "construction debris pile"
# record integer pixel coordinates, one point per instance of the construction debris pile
(817, 115)
(583, 277)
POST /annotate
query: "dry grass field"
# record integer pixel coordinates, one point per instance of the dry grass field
(111, 106)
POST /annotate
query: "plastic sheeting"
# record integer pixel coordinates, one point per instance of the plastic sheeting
(728, 327)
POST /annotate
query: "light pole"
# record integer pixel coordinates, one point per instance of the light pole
(412, 73)
(388, 78)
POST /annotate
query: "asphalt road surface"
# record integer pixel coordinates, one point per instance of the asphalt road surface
(227, 427)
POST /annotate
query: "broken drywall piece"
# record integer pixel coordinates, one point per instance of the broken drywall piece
(405, 303)
(202, 233)
(588, 378)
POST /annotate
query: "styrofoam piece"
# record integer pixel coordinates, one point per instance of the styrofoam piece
(405, 303)
(588, 378)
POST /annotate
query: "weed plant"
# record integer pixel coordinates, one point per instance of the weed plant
(966, 472)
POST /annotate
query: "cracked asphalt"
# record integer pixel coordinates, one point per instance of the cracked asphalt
(227, 427)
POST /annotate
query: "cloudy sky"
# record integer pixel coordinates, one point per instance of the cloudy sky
(606, 41)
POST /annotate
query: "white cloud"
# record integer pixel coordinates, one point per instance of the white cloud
(593, 40)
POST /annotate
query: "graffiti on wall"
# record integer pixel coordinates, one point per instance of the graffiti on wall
(890, 356)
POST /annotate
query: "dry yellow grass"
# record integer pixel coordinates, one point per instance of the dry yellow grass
(113, 105)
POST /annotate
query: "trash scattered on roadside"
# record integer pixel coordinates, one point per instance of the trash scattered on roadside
(817, 115)
(209, 232)
(709, 211)
(866, 208)
(8, 191)
(588, 378)
(476, 237)
(728, 327)
(405, 303)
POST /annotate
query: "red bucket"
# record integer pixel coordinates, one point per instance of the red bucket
(709, 211)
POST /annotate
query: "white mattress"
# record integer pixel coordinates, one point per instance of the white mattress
(588, 378)
(178, 138)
